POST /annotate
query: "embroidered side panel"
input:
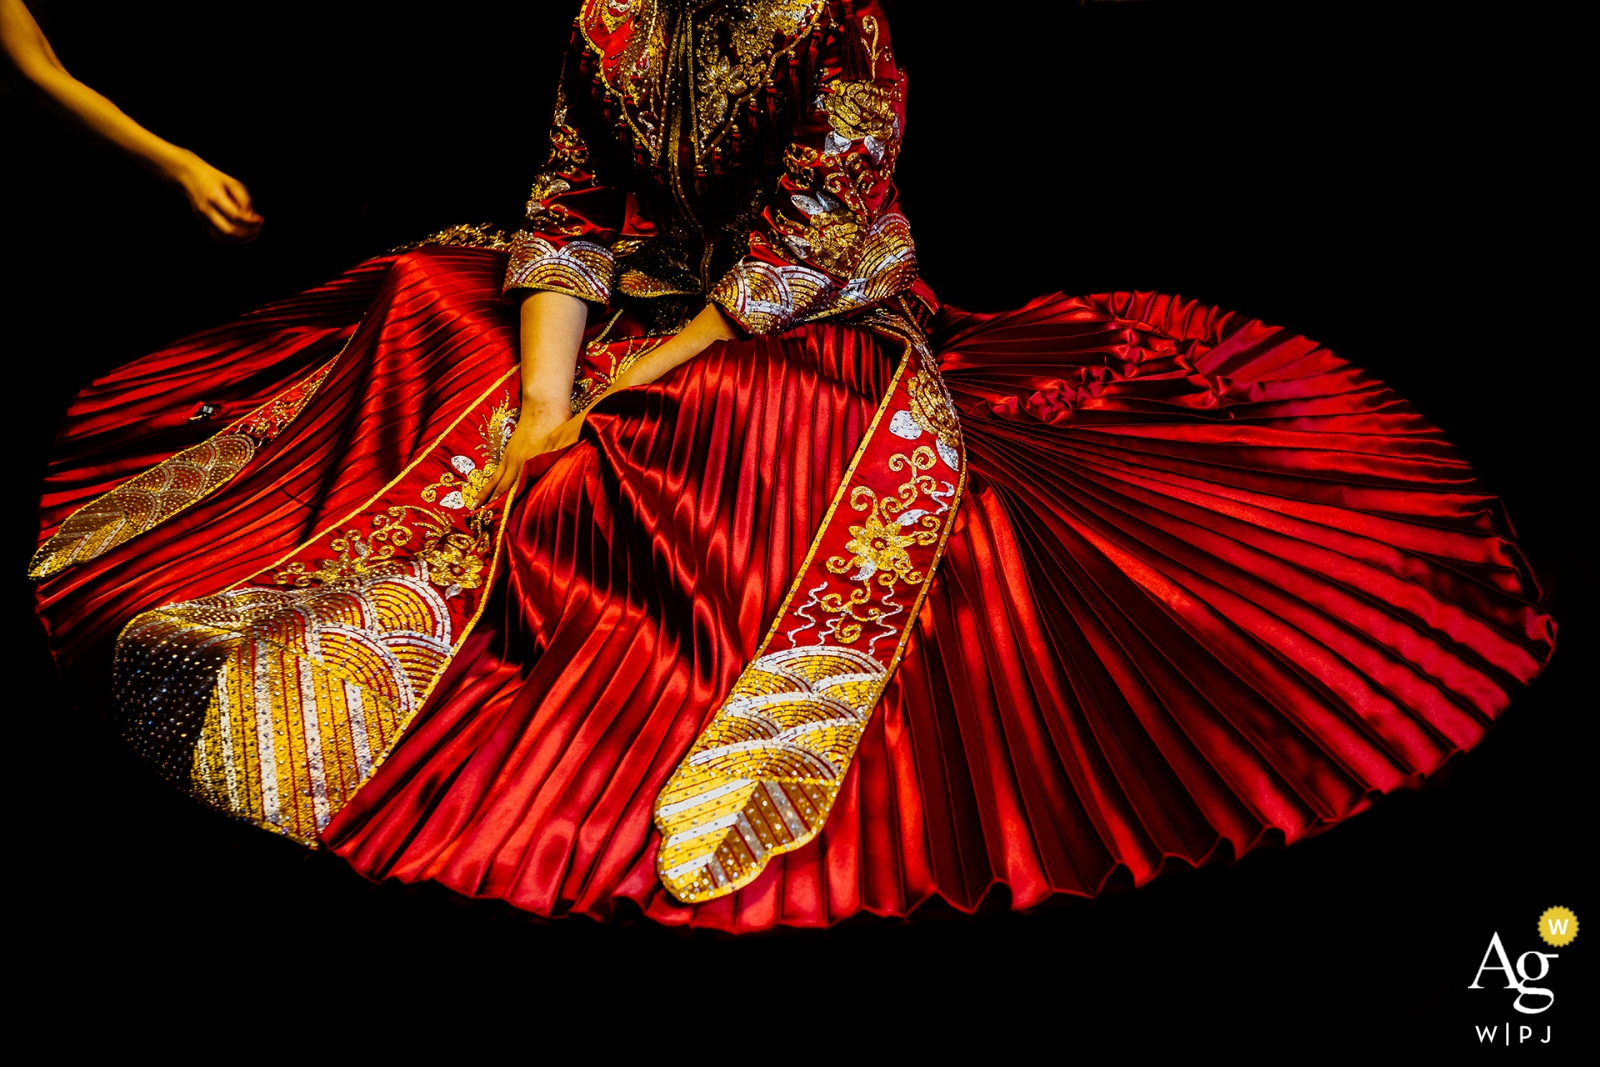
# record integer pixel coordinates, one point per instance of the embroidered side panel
(276, 699)
(173, 485)
(764, 773)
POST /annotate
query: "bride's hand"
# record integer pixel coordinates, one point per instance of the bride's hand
(565, 434)
(525, 443)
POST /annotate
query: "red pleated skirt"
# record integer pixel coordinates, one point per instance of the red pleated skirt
(1209, 586)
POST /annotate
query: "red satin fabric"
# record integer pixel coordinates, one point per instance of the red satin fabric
(1210, 586)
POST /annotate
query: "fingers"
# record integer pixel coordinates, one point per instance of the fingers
(227, 228)
(244, 210)
(504, 478)
(223, 204)
(499, 488)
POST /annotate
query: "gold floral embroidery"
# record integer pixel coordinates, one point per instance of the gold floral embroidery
(857, 110)
(750, 28)
(464, 484)
(456, 556)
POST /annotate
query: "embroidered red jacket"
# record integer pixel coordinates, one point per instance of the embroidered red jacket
(741, 152)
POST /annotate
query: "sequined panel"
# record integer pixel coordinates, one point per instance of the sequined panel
(301, 692)
(581, 268)
(765, 298)
(173, 485)
(275, 699)
(764, 773)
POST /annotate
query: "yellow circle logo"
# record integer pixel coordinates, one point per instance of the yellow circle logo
(1558, 926)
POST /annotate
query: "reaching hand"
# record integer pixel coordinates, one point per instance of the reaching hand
(218, 200)
(221, 202)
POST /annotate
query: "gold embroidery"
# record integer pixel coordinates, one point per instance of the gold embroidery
(934, 412)
(566, 143)
(751, 29)
(621, 355)
(580, 268)
(306, 691)
(765, 298)
(878, 546)
(275, 703)
(764, 773)
(455, 556)
(654, 268)
(633, 76)
(466, 483)
(173, 485)
(616, 12)
(869, 24)
(734, 49)
(462, 235)
(857, 110)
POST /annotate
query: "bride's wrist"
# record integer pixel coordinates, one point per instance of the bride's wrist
(537, 409)
(175, 166)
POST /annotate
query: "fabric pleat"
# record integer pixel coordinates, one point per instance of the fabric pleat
(425, 338)
(1210, 587)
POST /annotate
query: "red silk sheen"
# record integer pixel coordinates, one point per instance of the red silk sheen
(1210, 585)
(426, 338)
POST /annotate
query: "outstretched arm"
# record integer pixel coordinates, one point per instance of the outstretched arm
(221, 202)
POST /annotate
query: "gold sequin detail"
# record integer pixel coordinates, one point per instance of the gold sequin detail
(766, 298)
(173, 485)
(580, 268)
(462, 235)
(764, 773)
(307, 691)
(857, 110)
(275, 699)
(734, 49)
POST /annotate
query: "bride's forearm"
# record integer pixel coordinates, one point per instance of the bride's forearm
(552, 332)
(707, 327)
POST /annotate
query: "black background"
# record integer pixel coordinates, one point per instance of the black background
(1403, 188)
